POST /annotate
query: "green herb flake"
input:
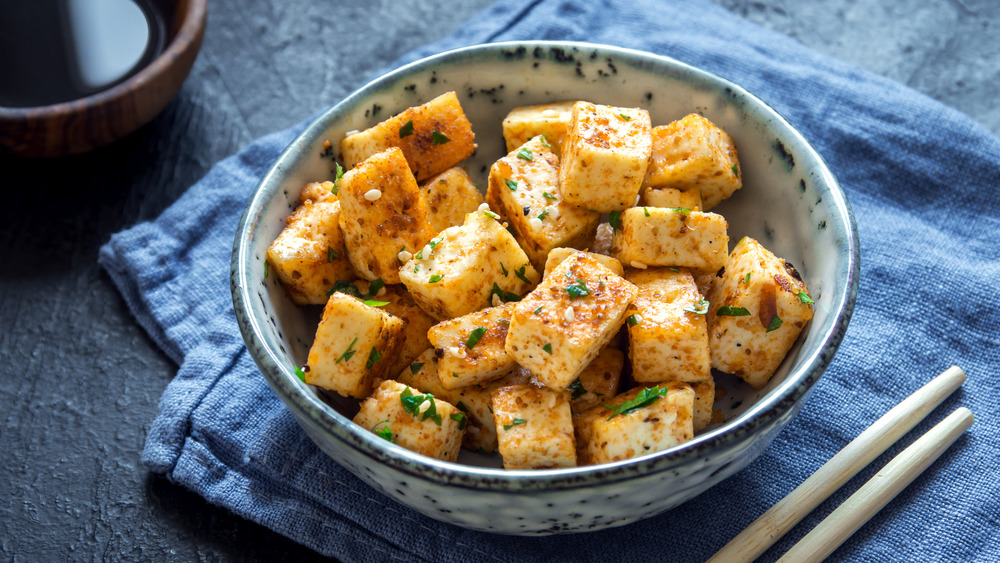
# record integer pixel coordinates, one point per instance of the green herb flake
(336, 179)
(300, 374)
(462, 406)
(267, 268)
(489, 213)
(544, 141)
(406, 130)
(504, 269)
(615, 218)
(547, 195)
(547, 347)
(331, 254)
(439, 138)
(699, 308)
(349, 353)
(645, 211)
(746, 279)
(577, 289)
(524, 154)
(538, 310)
(514, 423)
(511, 184)
(415, 367)
(727, 311)
(373, 357)
(646, 397)
(460, 419)
(633, 319)
(775, 323)
(411, 404)
(505, 296)
(436, 278)
(577, 388)
(520, 274)
(804, 297)
(373, 303)
(674, 270)
(625, 117)
(681, 210)
(736, 171)
(385, 432)
(475, 337)
(543, 214)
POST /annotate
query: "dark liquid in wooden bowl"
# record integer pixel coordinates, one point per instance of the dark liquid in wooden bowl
(54, 51)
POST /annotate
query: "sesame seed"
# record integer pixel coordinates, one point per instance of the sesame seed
(457, 351)
(424, 406)
(587, 134)
(636, 204)
(639, 265)
(404, 255)
(373, 195)
(569, 314)
(484, 206)
(536, 223)
(381, 292)
(550, 113)
(426, 250)
(496, 300)
(351, 132)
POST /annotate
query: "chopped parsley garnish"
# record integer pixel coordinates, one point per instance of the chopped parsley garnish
(384, 432)
(524, 154)
(645, 211)
(674, 269)
(300, 374)
(625, 117)
(346, 356)
(504, 269)
(411, 404)
(439, 138)
(646, 397)
(267, 267)
(547, 347)
(577, 289)
(699, 308)
(373, 357)
(547, 195)
(633, 319)
(436, 278)
(543, 214)
(462, 406)
(505, 296)
(373, 303)
(538, 310)
(415, 367)
(511, 184)
(736, 171)
(803, 297)
(336, 179)
(775, 323)
(615, 218)
(475, 337)
(727, 311)
(514, 423)
(681, 210)
(520, 274)
(746, 279)
(577, 388)
(331, 254)
(545, 142)
(406, 130)
(489, 213)
(343, 286)
(459, 418)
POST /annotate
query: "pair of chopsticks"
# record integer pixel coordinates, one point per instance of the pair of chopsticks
(870, 498)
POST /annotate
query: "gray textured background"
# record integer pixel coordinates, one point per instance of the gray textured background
(81, 381)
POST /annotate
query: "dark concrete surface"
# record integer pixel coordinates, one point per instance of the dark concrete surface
(81, 381)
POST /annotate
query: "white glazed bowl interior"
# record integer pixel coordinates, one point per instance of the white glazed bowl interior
(790, 202)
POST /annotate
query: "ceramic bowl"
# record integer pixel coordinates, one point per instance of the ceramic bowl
(790, 202)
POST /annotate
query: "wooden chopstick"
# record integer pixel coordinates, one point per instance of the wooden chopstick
(773, 524)
(877, 492)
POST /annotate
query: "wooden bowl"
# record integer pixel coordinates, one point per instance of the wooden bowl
(85, 124)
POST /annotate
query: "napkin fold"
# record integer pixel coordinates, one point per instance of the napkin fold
(924, 183)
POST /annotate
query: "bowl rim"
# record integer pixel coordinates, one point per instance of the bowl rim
(312, 410)
(185, 36)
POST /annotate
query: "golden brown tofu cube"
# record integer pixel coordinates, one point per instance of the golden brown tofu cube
(524, 189)
(417, 421)
(534, 427)
(704, 400)
(526, 122)
(758, 308)
(434, 137)
(309, 255)
(598, 381)
(382, 214)
(557, 255)
(667, 333)
(641, 421)
(561, 326)
(463, 268)
(401, 305)
(694, 153)
(354, 346)
(605, 155)
(450, 196)
(471, 347)
(670, 197)
(656, 236)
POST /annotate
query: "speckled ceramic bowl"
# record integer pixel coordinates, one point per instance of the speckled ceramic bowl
(790, 202)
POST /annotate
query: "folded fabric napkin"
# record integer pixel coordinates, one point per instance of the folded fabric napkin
(923, 182)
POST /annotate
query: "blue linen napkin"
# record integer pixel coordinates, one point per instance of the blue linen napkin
(923, 182)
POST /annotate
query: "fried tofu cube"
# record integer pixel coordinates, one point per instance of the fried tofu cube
(400, 304)
(667, 333)
(463, 268)
(524, 189)
(534, 427)
(704, 400)
(758, 308)
(670, 197)
(309, 254)
(641, 421)
(603, 239)
(434, 137)
(450, 196)
(471, 347)
(354, 346)
(656, 236)
(694, 153)
(382, 214)
(417, 421)
(526, 122)
(598, 381)
(605, 155)
(557, 255)
(561, 326)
